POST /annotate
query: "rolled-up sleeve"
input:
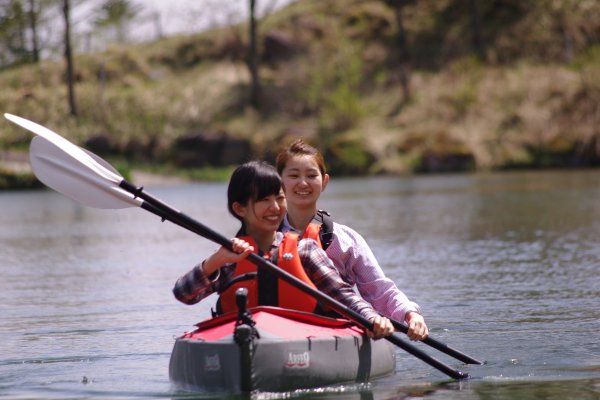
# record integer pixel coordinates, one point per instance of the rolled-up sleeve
(195, 285)
(358, 266)
(327, 279)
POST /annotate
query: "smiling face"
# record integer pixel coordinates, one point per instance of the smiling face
(264, 215)
(302, 181)
(255, 197)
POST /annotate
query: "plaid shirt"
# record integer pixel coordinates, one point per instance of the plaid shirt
(196, 285)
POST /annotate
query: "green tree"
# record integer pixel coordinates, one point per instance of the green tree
(117, 14)
(13, 22)
(20, 23)
(570, 19)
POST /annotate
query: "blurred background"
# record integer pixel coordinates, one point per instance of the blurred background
(446, 98)
(380, 86)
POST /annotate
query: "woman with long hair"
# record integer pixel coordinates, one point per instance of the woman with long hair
(304, 177)
(256, 199)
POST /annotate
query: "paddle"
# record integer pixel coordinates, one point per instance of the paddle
(444, 348)
(91, 181)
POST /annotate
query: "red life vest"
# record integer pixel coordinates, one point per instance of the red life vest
(287, 296)
(313, 231)
(320, 230)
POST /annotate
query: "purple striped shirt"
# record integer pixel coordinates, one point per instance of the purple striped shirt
(358, 267)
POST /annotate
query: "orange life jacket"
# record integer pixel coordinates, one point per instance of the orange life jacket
(320, 229)
(313, 231)
(285, 295)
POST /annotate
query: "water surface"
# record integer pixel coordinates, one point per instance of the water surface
(505, 266)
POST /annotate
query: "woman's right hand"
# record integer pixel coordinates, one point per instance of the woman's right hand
(241, 249)
(417, 329)
(382, 327)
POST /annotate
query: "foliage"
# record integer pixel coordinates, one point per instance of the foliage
(22, 25)
(117, 14)
(199, 174)
(348, 156)
(13, 19)
(332, 89)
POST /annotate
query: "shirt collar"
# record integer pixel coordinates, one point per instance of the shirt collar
(285, 225)
(278, 240)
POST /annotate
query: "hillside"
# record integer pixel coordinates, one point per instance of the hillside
(523, 93)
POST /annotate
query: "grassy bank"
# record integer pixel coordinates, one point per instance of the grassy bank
(527, 103)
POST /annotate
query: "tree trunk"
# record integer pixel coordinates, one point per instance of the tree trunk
(33, 15)
(22, 27)
(158, 31)
(69, 60)
(404, 54)
(253, 59)
(477, 39)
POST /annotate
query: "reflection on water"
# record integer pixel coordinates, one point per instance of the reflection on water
(505, 267)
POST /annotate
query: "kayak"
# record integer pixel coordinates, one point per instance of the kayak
(250, 353)
(271, 349)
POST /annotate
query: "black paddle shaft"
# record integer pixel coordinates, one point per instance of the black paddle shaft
(444, 348)
(164, 211)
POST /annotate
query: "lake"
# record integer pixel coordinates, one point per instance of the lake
(505, 266)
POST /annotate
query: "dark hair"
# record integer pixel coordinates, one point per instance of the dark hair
(299, 148)
(252, 181)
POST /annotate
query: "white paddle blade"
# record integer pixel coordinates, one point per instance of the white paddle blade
(67, 175)
(68, 148)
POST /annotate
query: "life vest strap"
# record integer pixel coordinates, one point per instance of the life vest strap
(323, 218)
(244, 277)
(266, 279)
